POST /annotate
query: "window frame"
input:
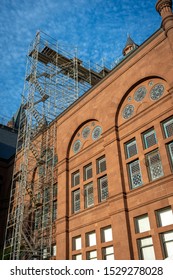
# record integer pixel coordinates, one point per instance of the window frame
(140, 247)
(170, 154)
(137, 226)
(146, 134)
(54, 210)
(86, 188)
(150, 171)
(73, 178)
(163, 124)
(105, 255)
(129, 144)
(87, 238)
(55, 190)
(74, 243)
(75, 193)
(103, 234)
(159, 219)
(88, 168)
(75, 257)
(88, 257)
(99, 162)
(54, 250)
(163, 242)
(100, 181)
(130, 174)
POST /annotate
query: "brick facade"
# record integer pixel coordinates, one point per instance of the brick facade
(150, 66)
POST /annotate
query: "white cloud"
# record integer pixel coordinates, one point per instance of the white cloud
(98, 27)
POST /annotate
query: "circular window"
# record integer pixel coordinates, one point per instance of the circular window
(140, 94)
(76, 146)
(128, 111)
(157, 91)
(96, 132)
(86, 132)
(151, 83)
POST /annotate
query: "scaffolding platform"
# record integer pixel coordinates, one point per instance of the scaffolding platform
(55, 79)
(48, 55)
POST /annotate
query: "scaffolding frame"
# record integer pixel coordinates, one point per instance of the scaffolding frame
(54, 79)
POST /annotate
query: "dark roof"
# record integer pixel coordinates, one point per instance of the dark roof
(8, 140)
(6, 151)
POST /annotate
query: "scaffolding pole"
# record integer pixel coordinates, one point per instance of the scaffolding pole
(55, 78)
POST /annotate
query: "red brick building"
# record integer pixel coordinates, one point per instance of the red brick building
(115, 162)
(115, 158)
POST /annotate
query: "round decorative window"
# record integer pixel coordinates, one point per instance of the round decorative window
(86, 132)
(128, 111)
(96, 132)
(76, 146)
(157, 91)
(140, 94)
(151, 83)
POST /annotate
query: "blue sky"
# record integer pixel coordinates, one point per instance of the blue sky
(98, 28)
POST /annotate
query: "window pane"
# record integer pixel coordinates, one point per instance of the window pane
(89, 196)
(165, 217)
(148, 253)
(170, 149)
(76, 201)
(92, 255)
(150, 138)
(142, 224)
(75, 179)
(55, 190)
(146, 249)
(101, 165)
(106, 234)
(103, 188)
(135, 174)
(154, 165)
(91, 239)
(77, 257)
(54, 250)
(168, 128)
(167, 241)
(110, 257)
(88, 172)
(77, 243)
(108, 253)
(54, 213)
(45, 253)
(146, 241)
(168, 236)
(131, 149)
(169, 248)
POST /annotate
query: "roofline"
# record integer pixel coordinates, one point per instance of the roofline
(117, 67)
(11, 129)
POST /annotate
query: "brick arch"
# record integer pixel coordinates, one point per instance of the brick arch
(128, 100)
(85, 137)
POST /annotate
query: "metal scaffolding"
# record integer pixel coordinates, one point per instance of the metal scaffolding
(54, 79)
